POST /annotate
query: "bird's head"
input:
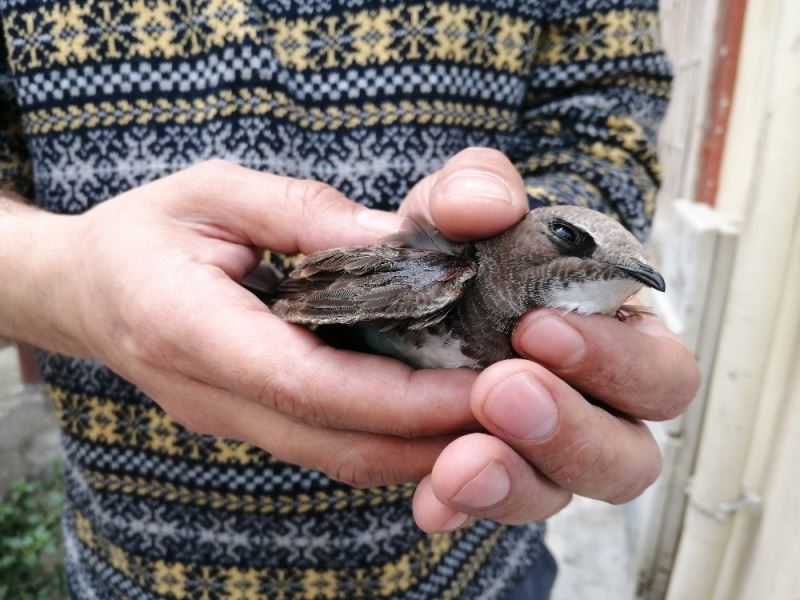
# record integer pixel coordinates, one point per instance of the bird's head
(577, 259)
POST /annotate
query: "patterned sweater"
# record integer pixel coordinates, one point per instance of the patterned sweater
(99, 96)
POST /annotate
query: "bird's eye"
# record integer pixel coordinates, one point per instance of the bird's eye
(566, 233)
(571, 241)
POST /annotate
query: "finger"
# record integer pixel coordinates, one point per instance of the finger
(357, 459)
(477, 194)
(225, 337)
(637, 366)
(269, 211)
(577, 445)
(479, 475)
(431, 514)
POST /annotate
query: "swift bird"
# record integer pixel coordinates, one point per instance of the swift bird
(432, 302)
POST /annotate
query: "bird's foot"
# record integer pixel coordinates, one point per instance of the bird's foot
(626, 311)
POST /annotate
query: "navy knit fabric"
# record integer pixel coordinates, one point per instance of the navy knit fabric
(100, 96)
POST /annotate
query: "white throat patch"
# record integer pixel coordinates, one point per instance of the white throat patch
(592, 296)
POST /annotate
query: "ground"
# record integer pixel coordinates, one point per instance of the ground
(28, 432)
(591, 546)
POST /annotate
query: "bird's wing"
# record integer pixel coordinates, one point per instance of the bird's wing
(392, 283)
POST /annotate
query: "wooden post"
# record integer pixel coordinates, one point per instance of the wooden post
(731, 25)
(28, 370)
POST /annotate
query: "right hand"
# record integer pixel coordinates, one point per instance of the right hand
(147, 283)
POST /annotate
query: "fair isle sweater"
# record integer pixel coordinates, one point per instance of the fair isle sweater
(100, 96)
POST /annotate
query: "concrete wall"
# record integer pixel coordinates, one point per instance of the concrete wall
(740, 534)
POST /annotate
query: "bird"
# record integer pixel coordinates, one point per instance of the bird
(432, 302)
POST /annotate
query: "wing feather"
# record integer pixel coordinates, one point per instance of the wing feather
(412, 280)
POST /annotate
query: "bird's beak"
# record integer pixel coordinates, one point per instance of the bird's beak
(644, 273)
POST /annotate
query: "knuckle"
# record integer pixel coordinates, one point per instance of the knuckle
(678, 394)
(525, 508)
(407, 430)
(314, 197)
(316, 200)
(666, 410)
(356, 476)
(274, 394)
(278, 394)
(577, 461)
(355, 470)
(642, 469)
(645, 476)
(526, 512)
(597, 471)
(409, 426)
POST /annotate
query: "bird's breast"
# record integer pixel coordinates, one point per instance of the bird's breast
(431, 348)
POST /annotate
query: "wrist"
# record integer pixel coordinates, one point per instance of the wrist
(34, 250)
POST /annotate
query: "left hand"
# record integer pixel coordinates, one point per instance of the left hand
(545, 440)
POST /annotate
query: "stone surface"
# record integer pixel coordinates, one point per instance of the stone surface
(28, 430)
(590, 543)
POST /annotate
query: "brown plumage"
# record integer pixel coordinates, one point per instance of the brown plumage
(433, 302)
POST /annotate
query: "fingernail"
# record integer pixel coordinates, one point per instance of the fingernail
(476, 185)
(553, 342)
(454, 522)
(487, 488)
(523, 408)
(379, 221)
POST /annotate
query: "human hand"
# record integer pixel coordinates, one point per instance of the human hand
(147, 283)
(545, 440)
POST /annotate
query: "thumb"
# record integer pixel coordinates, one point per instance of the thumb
(270, 211)
(477, 194)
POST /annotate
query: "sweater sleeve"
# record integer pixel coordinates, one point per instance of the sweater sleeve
(15, 166)
(599, 87)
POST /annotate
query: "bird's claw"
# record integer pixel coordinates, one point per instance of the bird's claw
(626, 311)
